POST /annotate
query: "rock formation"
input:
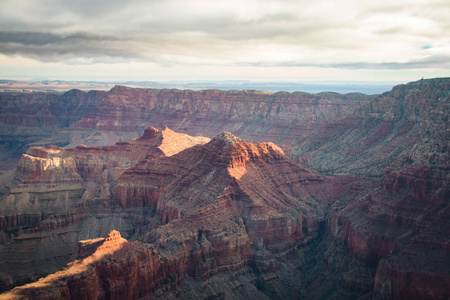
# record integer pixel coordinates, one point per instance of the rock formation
(61, 195)
(398, 235)
(396, 125)
(99, 118)
(226, 218)
(224, 207)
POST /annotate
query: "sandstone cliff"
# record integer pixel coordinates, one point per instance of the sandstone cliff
(223, 208)
(29, 119)
(232, 219)
(392, 234)
(61, 195)
(407, 122)
(100, 118)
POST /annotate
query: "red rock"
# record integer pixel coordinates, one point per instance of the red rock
(52, 164)
(58, 190)
(231, 211)
(392, 126)
(219, 207)
(103, 118)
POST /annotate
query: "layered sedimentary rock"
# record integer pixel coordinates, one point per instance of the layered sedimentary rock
(36, 119)
(245, 221)
(396, 239)
(52, 164)
(232, 219)
(394, 125)
(223, 207)
(60, 195)
(253, 115)
(98, 118)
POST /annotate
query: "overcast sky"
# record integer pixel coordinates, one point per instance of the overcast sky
(294, 40)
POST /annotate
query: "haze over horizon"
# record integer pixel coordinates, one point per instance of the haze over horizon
(199, 40)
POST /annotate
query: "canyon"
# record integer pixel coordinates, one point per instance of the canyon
(365, 215)
(100, 118)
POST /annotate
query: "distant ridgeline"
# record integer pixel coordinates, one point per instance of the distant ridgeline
(60, 86)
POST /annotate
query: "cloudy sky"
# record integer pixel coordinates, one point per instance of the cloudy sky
(157, 40)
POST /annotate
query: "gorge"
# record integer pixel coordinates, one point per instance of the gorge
(288, 196)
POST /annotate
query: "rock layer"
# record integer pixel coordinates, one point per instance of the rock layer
(411, 119)
(229, 218)
(67, 193)
(397, 237)
(102, 118)
(227, 206)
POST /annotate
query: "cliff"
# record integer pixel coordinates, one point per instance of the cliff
(394, 125)
(214, 210)
(397, 236)
(37, 119)
(227, 218)
(100, 118)
(61, 195)
(244, 220)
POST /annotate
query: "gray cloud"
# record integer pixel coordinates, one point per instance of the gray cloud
(53, 47)
(28, 38)
(350, 34)
(439, 61)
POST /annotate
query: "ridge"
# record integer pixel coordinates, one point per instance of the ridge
(231, 151)
(228, 138)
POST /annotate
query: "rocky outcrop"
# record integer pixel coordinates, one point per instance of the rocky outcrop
(50, 170)
(30, 119)
(98, 248)
(55, 165)
(397, 237)
(410, 118)
(232, 209)
(383, 243)
(409, 273)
